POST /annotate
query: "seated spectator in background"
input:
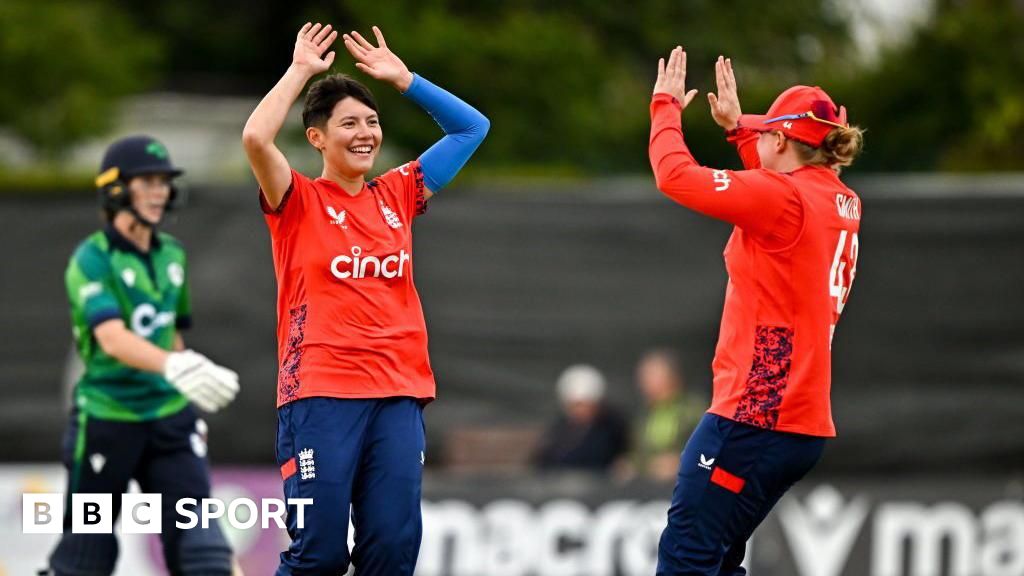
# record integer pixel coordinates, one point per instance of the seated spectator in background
(672, 414)
(588, 434)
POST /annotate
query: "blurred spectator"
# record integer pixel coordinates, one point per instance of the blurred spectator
(672, 414)
(588, 434)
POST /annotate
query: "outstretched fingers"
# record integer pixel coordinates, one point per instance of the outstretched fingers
(324, 44)
(676, 64)
(312, 32)
(357, 51)
(672, 77)
(330, 40)
(380, 37)
(730, 76)
(319, 36)
(725, 105)
(725, 79)
(681, 73)
(362, 42)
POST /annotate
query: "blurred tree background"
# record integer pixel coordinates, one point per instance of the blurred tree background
(566, 84)
(951, 97)
(65, 65)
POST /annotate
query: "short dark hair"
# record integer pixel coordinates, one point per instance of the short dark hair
(326, 92)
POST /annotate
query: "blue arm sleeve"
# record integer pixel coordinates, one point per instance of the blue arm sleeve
(464, 128)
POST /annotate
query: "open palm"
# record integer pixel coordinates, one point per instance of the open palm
(672, 77)
(725, 106)
(378, 61)
(310, 44)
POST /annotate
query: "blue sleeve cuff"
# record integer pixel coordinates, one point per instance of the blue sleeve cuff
(102, 316)
(432, 184)
(413, 86)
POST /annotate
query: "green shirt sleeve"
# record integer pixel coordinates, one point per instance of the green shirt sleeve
(90, 287)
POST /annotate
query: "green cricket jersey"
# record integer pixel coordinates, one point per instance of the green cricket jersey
(108, 277)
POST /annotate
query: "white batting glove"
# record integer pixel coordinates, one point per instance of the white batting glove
(207, 385)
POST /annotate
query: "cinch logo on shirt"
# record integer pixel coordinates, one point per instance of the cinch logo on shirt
(722, 180)
(358, 266)
(146, 320)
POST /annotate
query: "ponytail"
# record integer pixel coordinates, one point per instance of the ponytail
(840, 148)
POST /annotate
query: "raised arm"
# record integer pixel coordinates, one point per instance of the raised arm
(725, 109)
(268, 163)
(464, 127)
(751, 199)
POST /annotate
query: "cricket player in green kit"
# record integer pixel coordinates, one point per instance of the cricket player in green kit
(133, 414)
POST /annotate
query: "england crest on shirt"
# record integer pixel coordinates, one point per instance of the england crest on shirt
(389, 216)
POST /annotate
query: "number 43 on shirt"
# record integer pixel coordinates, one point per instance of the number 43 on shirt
(844, 268)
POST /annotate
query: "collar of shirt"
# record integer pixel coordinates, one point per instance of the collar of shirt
(119, 242)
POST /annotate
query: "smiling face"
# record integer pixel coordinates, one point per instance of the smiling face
(150, 193)
(350, 138)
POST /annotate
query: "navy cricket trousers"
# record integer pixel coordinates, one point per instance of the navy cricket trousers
(167, 456)
(366, 454)
(730, 476)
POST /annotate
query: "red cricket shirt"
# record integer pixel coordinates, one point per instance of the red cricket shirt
(791, 260)
(349, 320)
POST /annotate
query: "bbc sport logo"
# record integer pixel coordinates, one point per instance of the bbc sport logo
(43, 513)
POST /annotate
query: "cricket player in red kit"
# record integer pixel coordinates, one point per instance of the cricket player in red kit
(791, 261)
(353, 372)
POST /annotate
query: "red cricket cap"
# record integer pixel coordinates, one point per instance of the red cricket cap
(803, 113)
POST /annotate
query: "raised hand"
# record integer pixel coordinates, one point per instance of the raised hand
(725, 107)
(310, 44)
(672, 77)
(378, 61)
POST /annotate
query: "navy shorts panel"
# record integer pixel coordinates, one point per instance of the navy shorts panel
(360, 454)
(730, 476)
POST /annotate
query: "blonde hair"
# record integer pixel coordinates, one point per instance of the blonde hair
(838, 149)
